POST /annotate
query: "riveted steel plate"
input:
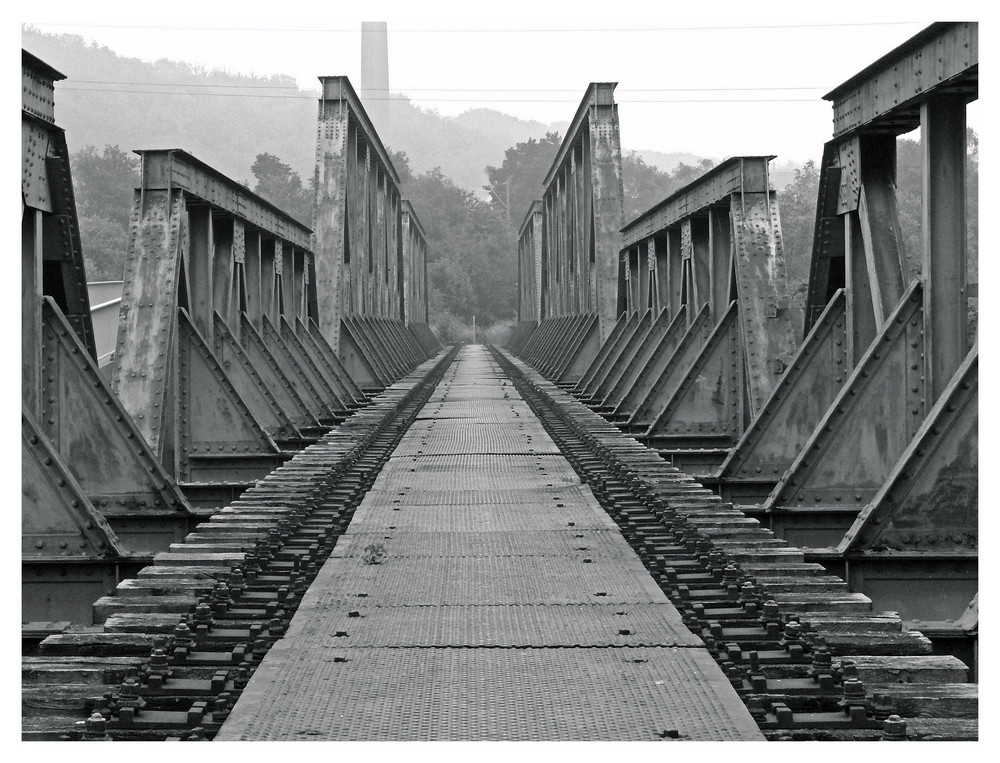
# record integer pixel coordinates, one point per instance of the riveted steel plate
(372, 517)
(301, 692)
(486, 580)
(568, 542)
(501, 626)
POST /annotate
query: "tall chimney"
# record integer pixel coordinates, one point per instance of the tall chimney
(374, 90)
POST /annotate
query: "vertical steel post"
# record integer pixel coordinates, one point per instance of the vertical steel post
(942, 123)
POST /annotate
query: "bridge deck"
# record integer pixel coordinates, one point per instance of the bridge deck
(507, 607)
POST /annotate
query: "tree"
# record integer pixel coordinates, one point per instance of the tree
(104, 182)
(401, 163)
(797, 207)
(519, 178)
(104, 185)
(471, 253)
(645, 186)
(277, 183)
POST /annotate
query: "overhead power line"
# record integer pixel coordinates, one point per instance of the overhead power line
(305, 97)
(479, 30)
(453, 89)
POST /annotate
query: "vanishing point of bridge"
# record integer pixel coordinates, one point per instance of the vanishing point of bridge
(684, 502)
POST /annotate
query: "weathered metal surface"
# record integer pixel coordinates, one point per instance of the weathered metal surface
(747, 174)
(38, 87)
(311, 334)
(638, 325)
(58, 521)
(149, 305)
(706, 409)
(874, 416)
(770, 325)
(370, 248)
(582, 213)
(517, 568)
(944, 238)
(488, 580)
(321, 401)
(887, 94)
(657, 386)
(653, 324)
(93, 494)
(907, 313)
(566, 345)
(656, 348)
(625, 321)
(213, 422)
(564, 541)
(631, 484)
(529, 266)
(175, 169)
(275, 377)
(415, 307)
(251, 385)
(204, 244)
(99, 443)
(788, 417)
(504, 626)
(929, 501)
(534, 694)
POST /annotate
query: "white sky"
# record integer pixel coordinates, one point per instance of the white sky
(544, 48)
(679, 70)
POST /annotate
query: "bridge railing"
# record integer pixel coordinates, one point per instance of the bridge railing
(847, 424)
(221, 366)
(95, 499)
(575, 253)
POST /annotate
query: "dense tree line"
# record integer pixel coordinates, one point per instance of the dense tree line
(103, 184)
(472, 242)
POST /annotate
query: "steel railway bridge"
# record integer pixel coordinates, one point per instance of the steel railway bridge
(260, 501)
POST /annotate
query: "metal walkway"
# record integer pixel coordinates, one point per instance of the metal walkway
(503, 605)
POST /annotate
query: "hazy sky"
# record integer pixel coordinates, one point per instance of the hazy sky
(714, 79)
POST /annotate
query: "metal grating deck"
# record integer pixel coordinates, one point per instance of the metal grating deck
(488, 694)
(507, 607)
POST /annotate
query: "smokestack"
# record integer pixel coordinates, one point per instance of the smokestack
(374, 90)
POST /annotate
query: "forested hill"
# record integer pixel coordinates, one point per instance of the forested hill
(227, 120)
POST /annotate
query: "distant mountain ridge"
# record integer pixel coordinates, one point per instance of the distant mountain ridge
(227, 119)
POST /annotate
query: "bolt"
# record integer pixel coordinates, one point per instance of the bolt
(894, 729)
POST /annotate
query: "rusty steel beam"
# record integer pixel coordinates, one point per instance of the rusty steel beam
(414, 307)
(747, 174)
(93, 491)
(887, 95)
(905, 335)
(366, 245)
(176, 170)
(530, 264)
(583, 207)
(711, 253)
(210, 267)
(929, 501)
(356, 184)
(943, 235)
